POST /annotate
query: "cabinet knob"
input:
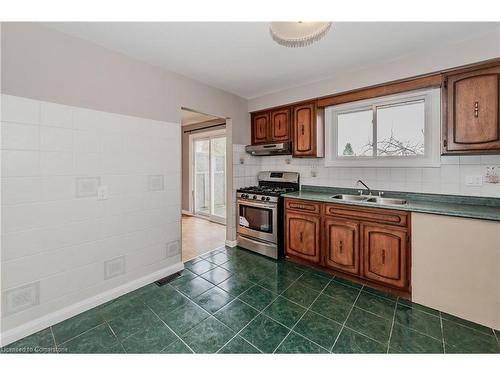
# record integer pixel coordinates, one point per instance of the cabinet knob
(476, 109)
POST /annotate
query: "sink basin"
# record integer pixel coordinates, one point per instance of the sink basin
(370, 199)
(347, 197)
(381, 200)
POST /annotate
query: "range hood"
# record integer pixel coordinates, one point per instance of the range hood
(284, 148)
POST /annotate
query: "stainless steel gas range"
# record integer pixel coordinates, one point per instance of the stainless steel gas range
(259, 212)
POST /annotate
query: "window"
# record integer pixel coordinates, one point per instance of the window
(399, 130)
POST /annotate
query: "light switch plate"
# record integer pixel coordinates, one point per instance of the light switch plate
(87, 186)
(474, 180)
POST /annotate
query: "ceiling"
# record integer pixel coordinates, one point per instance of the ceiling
(241, 58)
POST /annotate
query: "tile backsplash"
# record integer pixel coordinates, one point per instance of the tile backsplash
(90, 201)
(457, 175)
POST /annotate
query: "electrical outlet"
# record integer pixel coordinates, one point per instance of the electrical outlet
(21, 298)
(102, 192)
(474, 180)
(114, 267)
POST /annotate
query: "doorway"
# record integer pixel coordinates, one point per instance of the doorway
(208, 175)
(204, 183)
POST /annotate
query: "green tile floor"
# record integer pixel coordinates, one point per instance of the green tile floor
(234, 301)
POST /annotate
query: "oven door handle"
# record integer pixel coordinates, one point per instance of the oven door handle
(259, 205)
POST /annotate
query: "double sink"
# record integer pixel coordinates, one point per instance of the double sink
(370, 199)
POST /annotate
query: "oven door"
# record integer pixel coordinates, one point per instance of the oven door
(258, 220)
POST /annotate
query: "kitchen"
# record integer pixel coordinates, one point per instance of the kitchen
(361, 206)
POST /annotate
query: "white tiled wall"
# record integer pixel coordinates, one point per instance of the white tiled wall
(448, 179)
(58, 238)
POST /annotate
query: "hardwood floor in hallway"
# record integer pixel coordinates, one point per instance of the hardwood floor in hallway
(200, 236)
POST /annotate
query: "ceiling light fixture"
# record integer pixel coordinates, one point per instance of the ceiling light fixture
(298, 34)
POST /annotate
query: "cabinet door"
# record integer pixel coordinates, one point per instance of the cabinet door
(385, 255)
(260, 128)
(304, 130)
(302, 236)
(280, 125)
(341, 245)
(472, 111)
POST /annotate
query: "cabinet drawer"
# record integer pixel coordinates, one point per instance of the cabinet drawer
(304, 206)
(377, 215)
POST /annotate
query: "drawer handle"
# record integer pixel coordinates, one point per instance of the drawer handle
(476, 109)
(340, 247)
(299, 206)
(383, 256)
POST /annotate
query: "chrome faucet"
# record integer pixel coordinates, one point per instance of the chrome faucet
(366, 186)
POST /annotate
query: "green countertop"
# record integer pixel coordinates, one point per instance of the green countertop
(450, 205)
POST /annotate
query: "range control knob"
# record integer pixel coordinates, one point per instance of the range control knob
(244, 195)
(263, 198)
(268, 199)
(254, 197)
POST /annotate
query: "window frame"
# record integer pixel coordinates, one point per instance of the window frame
(432, 131)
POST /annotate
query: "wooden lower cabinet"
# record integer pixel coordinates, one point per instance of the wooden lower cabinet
(341, 245)
(302, 236)
(385, 255)
(341, 238)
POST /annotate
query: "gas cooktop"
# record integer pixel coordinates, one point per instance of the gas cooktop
(266, 190)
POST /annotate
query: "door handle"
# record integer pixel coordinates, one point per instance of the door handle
(300, 236)
(383, 256)
(302, 129)
(340, 247)
(476, 109)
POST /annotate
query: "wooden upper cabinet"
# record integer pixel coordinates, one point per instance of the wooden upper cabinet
(260, 128)
(341, 245)
(302, 236)
(304, 130)
(384, 255)
(280, 125)
(472, 103)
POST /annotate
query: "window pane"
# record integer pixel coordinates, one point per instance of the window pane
(355, 134)
(400, 129)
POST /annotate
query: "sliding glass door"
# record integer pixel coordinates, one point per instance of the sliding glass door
(209, 175)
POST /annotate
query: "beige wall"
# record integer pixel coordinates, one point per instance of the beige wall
(43, 64)
(48, 69)
(481, 48)
(456, 266)
(185, 157)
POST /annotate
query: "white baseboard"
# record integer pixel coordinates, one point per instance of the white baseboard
(230, 243)
(55, 317)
